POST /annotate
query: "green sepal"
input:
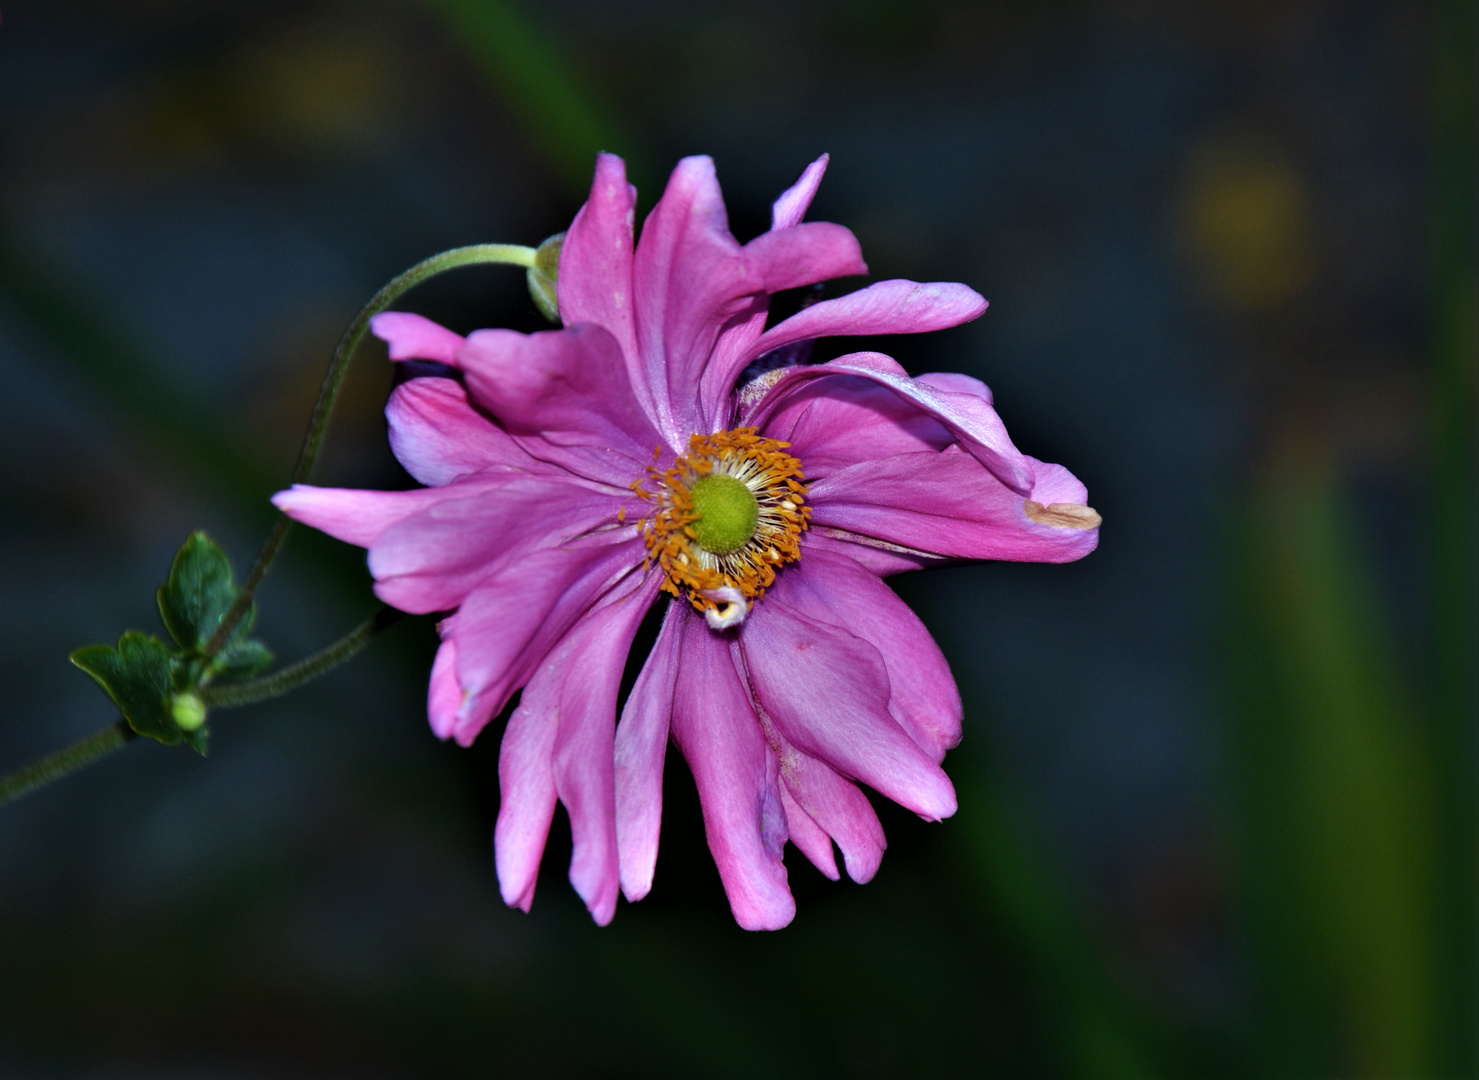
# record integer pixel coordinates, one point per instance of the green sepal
(198, 739)
(241, 660)
(543, 275)
(199, 592)
(139, 676)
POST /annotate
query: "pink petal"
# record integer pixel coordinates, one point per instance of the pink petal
(509, 623)
(736, 773)
(444, 694)
(836, 422)
(947, 504)
(567, 387)
(429, 561)
(966, 415)
(827, 692)
(359, 517)
(923, 698)
(839, 809)
(887, 307)
(805, 255)
(876, 556)
(791, 207)
(438, 437)
(1055, 484)
(641, 746)
(808, 836)
(956, 383)
(783, 259)
(573, 694)
(414, 337)
(716, 384)
(526, 787)
(595, 280)
(690, 277)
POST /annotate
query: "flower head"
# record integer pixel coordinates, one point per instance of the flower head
(725, 516)
(574, 476)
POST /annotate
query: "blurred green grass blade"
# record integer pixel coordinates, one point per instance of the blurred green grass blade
(104, 367)
(1092, 1024)
(1454, 388)
(1334, 784)
(545, 91)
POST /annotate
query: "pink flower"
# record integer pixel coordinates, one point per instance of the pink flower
(575, 474)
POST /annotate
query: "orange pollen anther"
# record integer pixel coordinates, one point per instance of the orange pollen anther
(772, 476)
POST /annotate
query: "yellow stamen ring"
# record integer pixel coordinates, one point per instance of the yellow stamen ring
(725, 515)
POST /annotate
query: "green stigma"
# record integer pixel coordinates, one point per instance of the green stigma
(727, 513)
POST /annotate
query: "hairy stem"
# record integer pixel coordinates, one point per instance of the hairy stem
(476, 254)
(83, 752)
(289, 678)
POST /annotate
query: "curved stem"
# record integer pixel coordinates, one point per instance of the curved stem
(507, 254)
(83, 752)
(328, 394)
(289, 678)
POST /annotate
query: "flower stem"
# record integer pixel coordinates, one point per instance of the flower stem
(289, 678)
(476, 254)
(53, 767)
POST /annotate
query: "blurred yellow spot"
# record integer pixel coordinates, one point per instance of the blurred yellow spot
(315, 87)
(1246, 224)
(310, 88)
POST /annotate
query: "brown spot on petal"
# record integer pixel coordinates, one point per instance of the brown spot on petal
(1063, 515)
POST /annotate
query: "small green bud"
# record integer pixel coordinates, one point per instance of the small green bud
(188, 710)
(543, 275)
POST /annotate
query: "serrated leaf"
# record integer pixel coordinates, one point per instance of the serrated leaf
(241, 660)
(138, 676)
(199, 592)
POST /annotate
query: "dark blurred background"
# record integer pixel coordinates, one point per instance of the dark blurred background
(1216, 788)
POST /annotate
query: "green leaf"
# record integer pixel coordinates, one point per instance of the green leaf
(139, 677)
(198, 594)
(241, 660)
(198, 739)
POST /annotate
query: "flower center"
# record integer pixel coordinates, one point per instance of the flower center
(724, 516)
(727, 513)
